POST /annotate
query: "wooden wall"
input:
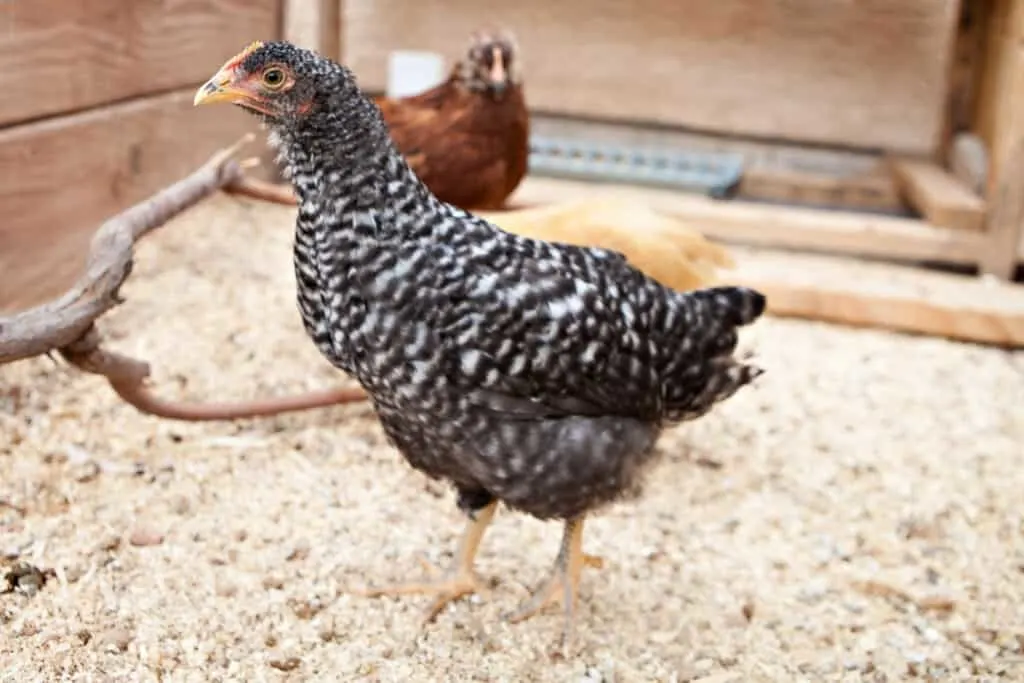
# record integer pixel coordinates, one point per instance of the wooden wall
(97, 114)
(871, 73)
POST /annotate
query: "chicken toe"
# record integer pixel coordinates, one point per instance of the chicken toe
(562, 584)
(457, 580)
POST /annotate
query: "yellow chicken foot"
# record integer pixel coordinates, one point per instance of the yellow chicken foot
(457, 580)
(562, 584)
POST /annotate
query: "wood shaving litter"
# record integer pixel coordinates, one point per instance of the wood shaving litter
(867, 483)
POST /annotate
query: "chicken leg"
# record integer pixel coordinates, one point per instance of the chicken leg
(457, 580)
(563, 582)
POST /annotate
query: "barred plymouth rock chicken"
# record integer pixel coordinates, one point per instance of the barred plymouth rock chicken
(533, 373)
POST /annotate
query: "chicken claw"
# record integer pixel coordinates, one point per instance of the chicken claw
(562, 585)
(452, 583)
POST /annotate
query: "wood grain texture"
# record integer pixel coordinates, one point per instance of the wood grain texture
(938, 195)
(64, 176)
(780, 226)
(871, 73)
(58, 56)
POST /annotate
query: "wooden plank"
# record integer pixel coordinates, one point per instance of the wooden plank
(872, 191)
(780, 226)
(938, 195)
(58, 56)
(64, 176)
(871, 73)
(885, 296)
(897, 314)
(315, 25)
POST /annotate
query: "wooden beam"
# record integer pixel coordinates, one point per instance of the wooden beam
(938, 195)
(1006, 226)
(999, 120)
(58, 56)
(869, 191)
(64, 176)
(780, 226)
(999, 105)
(897, 314)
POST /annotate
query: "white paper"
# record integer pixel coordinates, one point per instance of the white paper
(411, 72)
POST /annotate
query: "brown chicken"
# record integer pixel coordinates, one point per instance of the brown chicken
(468, 138)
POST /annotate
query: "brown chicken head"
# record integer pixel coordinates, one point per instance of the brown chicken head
(491, 63)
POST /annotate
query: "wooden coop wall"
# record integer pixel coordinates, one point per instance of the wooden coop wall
(97, 115)
(862, 74)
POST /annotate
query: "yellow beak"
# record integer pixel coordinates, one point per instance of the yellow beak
(219, 89)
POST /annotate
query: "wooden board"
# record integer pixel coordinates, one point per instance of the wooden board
(903, 314)
(872, 73)
(64, 176)
(883, 296)
(938, 195)
(780, 226)
(58, 56)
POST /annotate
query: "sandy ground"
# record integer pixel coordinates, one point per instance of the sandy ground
(856, 516)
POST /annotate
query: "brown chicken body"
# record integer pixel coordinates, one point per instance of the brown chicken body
(467, 138)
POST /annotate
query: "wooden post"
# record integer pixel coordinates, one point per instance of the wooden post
(999, 120)
(314, 24)
(1006, 216)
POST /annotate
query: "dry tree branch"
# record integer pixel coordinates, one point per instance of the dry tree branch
(277, 193)
(127, 377)
(67, 324)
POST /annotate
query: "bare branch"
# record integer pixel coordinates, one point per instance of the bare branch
(277, 193)
(127, 377)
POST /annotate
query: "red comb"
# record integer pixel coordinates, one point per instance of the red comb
(237, 59)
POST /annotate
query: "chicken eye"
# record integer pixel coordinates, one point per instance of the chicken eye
(273, 78)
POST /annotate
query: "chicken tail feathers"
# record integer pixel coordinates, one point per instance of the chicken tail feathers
(731, 306)
(705, 371)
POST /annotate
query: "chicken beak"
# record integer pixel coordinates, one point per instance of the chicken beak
(220, 88)
(223, 87)
(497, 76)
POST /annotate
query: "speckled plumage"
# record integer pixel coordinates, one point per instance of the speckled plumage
(539, 374)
